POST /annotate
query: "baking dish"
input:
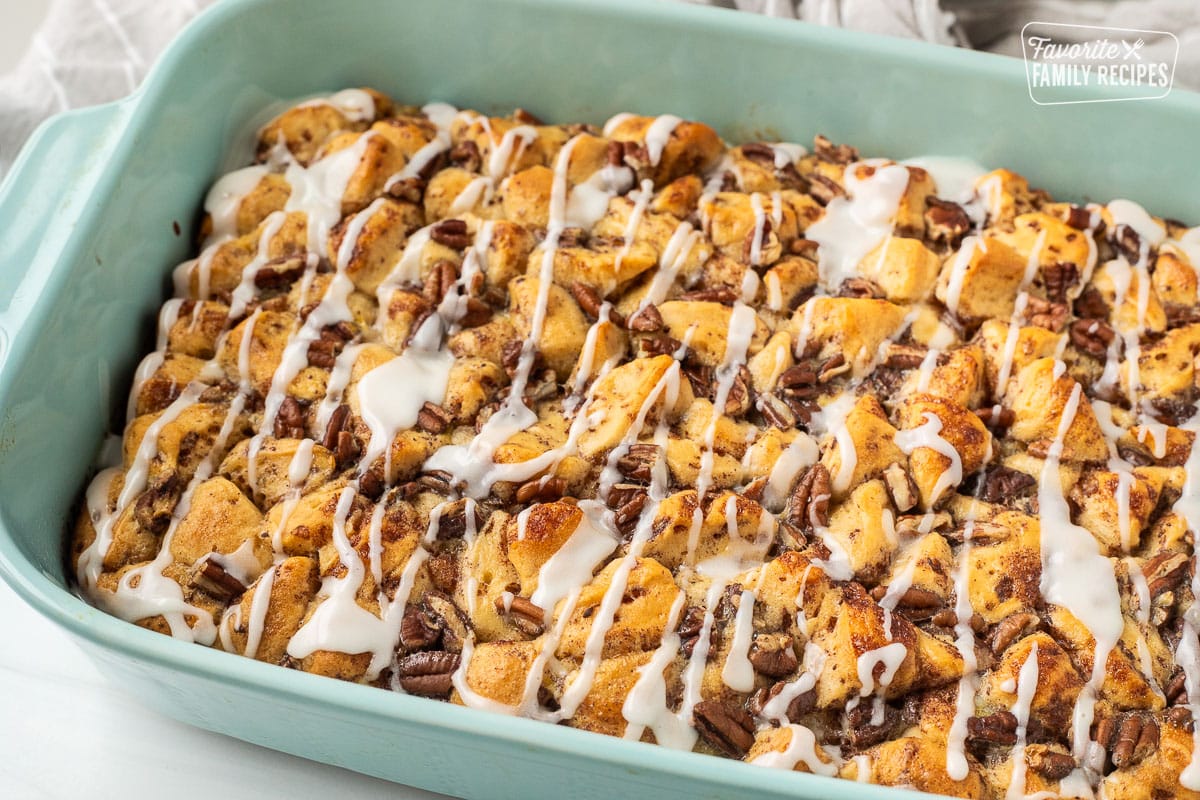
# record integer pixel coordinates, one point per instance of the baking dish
(90, 213)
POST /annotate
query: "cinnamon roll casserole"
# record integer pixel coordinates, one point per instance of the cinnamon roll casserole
(861, 468)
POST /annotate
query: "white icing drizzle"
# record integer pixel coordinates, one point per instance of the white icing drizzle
(356, 105)
(1027, 680)
(1076, 576)
(391, 395)
(800, 454)
(954, 177)
(658, 134)
(1127, 212)
(855, 225)
(317, 190)
(802, 748)
(928, 435)
(225, 198)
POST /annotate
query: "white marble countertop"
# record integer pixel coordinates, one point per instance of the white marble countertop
(66, 732)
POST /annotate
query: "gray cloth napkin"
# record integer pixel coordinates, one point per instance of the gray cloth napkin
(93, 51)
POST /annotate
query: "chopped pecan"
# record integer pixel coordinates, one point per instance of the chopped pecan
(823, 189)
(658, 344)
(1166, 571)
(213, 579)
(525, 616)
(542, 490)
(442, 612)
(588, 299)
(1128, 242)
(996, 728)
(279, 272)
(1059, 278)
(1051, 765)
(1002, 483)
(289, 421)
(1129, 737)
(764, 232)
(466, 155)
(860, 288)
(837, 153)
(759, 153)
(433, 418)
(638, 461)
(417, 630)
(803, 247)
(808, 507)
(945, 222)
(776, 412)
(905, 356)
(1092, 336)
(724, 726)
(452, 524)
(322, 353)
(1045, 314)
(441, 279)
(428, 672)
(799, 380)
(740, 394)
(773, 655)
(901, 487)
(409, 189)
(1011, 629)
(475, 313)
(996, 417)
(628, 513)
(689, 629)
(946, 618)
(646, 320)
(1078, 218)
(720, 294)
(347, 448)
(1091, 304)
(800, 705)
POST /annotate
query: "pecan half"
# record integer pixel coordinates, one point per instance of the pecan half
(525, 616)
(1002, 483)
(837, 153)
(213, 579)
(542, 490)
(1091, 304)
(1049, 764)
(639, 460)
(1129, 737)
(689, 629)
(1166, 571)
(823, 189)
(466, 155)
(800, 705)
(773, 655)
(997, 728)
(1045, 314)
(289, 421)
(1059, 277)
(808, 507)
(724, 726)
(433, 418)
(428, 673)
(776, 412)
(418, 630)
(1092, 336)
(647, 320)
(945, 222)
(629, 512)
(1012, 628)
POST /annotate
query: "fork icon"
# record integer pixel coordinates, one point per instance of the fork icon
(1132, 50)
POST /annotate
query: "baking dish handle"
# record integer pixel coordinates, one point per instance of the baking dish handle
(43, 195)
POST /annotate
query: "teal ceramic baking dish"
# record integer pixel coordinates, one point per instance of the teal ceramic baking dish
(102, 203)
